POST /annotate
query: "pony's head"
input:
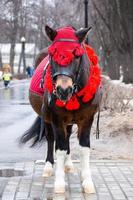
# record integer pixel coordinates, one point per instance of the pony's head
(65, 55)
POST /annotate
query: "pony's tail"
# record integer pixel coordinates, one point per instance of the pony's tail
(33, 133)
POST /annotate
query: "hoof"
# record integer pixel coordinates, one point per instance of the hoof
(48, 170)
(69, 168)
(59, 187)
(88, 187)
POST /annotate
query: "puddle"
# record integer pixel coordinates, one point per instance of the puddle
(21, 103)
(10, 172)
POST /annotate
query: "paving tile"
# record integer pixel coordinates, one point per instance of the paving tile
(113, 181)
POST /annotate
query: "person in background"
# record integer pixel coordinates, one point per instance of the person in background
(7, 76)
(30, 71)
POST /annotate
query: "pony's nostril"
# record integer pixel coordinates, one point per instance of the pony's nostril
(69, 90)
(59, 89)
(64, 94)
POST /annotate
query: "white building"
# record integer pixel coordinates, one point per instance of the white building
(30, 53)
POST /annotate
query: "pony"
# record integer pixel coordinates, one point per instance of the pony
(65, 90)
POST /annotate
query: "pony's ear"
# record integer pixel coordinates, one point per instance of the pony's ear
(51, 33)
(82, 33)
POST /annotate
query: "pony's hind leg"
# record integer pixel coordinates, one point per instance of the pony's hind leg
(69, 168)
(84, 141)
(68, 162)
(48, 168)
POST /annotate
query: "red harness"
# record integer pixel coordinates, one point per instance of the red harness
(86, 94)
(63, 49)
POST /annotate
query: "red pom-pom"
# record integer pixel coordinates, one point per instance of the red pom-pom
(63, 53)
(79, 51)
(59, 103)
(73, 103)
(51, 50)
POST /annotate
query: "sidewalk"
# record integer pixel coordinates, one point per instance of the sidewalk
(112, 179)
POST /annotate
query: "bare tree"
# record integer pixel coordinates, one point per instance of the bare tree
(115, 35)
(112, 32)
(13, 7)
(1, 60)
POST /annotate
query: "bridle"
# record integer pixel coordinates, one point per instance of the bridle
(76, 86)
(66, 40)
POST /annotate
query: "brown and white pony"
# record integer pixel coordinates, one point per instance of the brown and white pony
(69, 93)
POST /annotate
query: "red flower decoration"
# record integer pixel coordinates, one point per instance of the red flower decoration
(63, 53)
(87, 93)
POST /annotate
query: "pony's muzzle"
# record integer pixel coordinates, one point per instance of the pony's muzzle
(64, 94)
(64, 87)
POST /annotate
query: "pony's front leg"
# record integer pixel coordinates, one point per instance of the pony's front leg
(86, 178)
(69, 168)
(68, 162)
(59, 185)
(48, 168)
(61, 151)
(87, 182)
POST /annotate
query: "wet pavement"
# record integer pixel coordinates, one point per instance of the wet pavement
(113, 180)
(16, 116)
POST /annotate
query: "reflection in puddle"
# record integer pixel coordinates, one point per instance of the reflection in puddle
(20, 103)
(7, 94)
(17, 93)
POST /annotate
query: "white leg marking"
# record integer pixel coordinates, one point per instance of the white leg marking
(59, 186)
(48, 170)
(87, 182)
(68, 164)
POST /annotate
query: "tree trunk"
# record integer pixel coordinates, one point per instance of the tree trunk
(14, 30)
(12, 56)
(112, 69)
(0, 61)
(128, 69)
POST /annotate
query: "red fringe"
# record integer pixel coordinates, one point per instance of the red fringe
(91, 87)
(64, 56)
(48, 83)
